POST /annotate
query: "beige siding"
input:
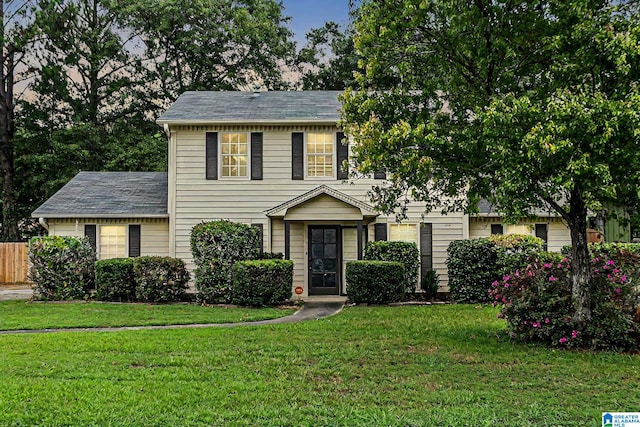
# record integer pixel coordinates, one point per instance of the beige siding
(349, 251)
(243, 200)
(324, 208)
(558, 233)
(154, 233)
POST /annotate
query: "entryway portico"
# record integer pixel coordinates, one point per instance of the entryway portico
(323, 229)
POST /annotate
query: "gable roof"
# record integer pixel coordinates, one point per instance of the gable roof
(109, 195)
(212, 107)
(281, 210)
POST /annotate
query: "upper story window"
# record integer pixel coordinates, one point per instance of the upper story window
(234, 153)
(320, 154)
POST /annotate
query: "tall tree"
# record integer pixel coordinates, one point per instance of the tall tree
(329, 59)
(531, 105)
(18, 32)
(211, 44)
(88, 108)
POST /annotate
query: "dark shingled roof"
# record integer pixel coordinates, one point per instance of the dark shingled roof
(247, 107)
(109, 194)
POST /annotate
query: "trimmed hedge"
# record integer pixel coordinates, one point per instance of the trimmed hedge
(406, 253)
(475, 264)
(262, 282)
(216, 246)
(62, 268)
(375, 282)
(115, 280)
(160, 279)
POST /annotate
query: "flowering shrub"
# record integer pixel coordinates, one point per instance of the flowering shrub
(536, 303)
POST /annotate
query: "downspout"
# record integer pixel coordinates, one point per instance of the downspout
(43, 222)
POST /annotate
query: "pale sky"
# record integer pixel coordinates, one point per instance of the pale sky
(308, 14)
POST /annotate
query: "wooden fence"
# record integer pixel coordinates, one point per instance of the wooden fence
(13, 262)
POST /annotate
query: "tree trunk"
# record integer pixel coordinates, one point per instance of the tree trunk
(9, 230)
(580, 266)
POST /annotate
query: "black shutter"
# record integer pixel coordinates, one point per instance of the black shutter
(297, 155)
(90, 233)
(261, 228)
(343, 154)
(542, 231)
(256, 155)
(380, 175)
(134, 240)
(380, 231)
(212, 155)
(426, 248)
(497, 229)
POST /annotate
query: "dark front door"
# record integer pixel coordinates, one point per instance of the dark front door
(324, 260)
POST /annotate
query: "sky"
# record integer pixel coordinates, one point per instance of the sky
(308, 14)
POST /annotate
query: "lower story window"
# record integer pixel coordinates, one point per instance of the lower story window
(113, 241)
(403, 232)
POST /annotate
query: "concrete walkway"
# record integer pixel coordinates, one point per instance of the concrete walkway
(311, 310)
(15, 293)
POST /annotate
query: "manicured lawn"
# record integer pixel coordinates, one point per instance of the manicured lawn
(368, 366)
(38, 315)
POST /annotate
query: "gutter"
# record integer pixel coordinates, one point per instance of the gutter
(43, 222)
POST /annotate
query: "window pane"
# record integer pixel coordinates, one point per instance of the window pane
(403, 232)
(113, 243)
(234, 152)
(320, 154)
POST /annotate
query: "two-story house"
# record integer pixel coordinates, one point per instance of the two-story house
(272, 160)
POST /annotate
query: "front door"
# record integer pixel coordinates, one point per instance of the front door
(324, 260)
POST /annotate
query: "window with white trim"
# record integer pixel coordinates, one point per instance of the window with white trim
(234, 155)
(112, 241)
(403, 232)
(320, 153)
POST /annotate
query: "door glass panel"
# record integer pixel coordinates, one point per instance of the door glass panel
(330, 265)
(316, 280)
(316, 235)
(330, 280)
(330, 250)
(330, 235)
(317, 250)
(317, 265)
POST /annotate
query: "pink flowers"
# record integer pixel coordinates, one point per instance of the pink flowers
(546, 320)
(546, 265)
(574, 334)
(563, 340)
(552, 278)
(536, 324)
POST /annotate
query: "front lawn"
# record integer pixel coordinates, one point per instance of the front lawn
(40, 315)
(368, 366)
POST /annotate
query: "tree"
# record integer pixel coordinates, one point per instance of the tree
(18, 32)
(210, 44)
(531, 105)
(329, 59)
(87, 108)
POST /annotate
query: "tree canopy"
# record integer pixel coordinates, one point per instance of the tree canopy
(530, 105)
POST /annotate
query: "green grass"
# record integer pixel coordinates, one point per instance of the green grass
(38, 315)
(368, 366)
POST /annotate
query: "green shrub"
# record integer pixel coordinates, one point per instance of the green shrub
(537, 305)
(160, 279)
(115, 280)
(375, 282)
(475, 264)
(514, 251)
(216, 246)
(262, 282)
(429, 283)
(472, 266)
(62, 268)
(404, 252)
(270, 255)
